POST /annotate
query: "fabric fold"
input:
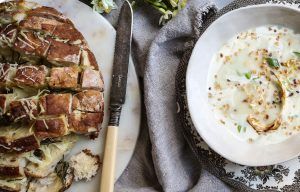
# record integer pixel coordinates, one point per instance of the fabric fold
(163, 161)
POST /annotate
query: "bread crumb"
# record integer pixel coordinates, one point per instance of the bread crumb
(85, 165)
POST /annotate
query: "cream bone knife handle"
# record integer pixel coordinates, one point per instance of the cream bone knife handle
(110, 152)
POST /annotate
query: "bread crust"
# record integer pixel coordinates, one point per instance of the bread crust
(51, 127)
(56, 104)
(85, 123)
(23, 110)
(33, 76)
(10, 171)
(51, 87)
(91, 79)
(20, 145)
(88, 101)
(64, 77)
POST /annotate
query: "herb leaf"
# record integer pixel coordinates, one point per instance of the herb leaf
(297, 53)
(239, 128)
(248, 75)
(64, 171)
(49, 141)
(273, 62)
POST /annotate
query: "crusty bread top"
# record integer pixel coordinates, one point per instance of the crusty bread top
(50, 87)
(40, 49)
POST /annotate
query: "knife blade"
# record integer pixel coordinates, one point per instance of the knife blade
(117, 94)
(121, 60)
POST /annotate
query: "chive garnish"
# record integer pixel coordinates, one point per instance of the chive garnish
(273, 62)
(297, 53)
(248, 75)
(239, 127)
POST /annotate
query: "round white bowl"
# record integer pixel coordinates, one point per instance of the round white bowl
(219, 32)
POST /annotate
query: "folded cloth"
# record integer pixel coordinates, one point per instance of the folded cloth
(163, 160)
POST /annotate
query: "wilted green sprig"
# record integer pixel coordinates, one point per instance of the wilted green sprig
(168, 8)
(103, 5)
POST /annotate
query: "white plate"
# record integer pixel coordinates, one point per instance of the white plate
(100, 36)
(222, 140)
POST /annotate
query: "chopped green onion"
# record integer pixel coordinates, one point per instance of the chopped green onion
(273, 62)
(297, 53)
(239, 128)
(248, 75)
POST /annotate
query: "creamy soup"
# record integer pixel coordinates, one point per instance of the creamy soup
(254, 84)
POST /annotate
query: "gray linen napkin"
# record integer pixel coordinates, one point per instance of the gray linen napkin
(163, 160)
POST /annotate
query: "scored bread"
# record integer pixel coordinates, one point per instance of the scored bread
(13, 185)
(48, 155)
(12, 165)
(41, 49)
(17, 140)
(51, 88)
(51, 183)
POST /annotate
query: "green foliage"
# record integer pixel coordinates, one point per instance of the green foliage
(103, 5)
(167, 8)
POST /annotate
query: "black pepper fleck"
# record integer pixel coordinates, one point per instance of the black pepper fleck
(259, 103)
